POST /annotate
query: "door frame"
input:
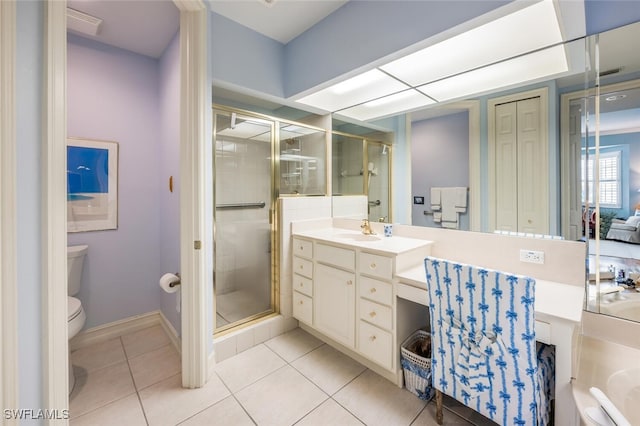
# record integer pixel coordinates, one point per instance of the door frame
(8, 240)
(543, 94)
(194, 253)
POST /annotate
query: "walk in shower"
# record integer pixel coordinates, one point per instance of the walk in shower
(363, 167)
(257, 159)
(243, 235)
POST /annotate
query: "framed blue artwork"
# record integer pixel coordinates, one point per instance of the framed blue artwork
(92, 185)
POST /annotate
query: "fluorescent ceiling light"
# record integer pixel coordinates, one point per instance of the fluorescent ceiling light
(518, 70)
(369, 85)
(526, 30)
(82, 22)
(403, 101)
(297, 130)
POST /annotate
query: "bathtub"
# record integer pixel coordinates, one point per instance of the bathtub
(623, 305)
(612, 368)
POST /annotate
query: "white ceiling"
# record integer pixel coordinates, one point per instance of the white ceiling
(143, 27)
(281, 20)
(147, 26)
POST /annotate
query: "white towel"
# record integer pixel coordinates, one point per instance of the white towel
(461, 199)
(437, 217)
(448, 201)
(435, 199)
(450, 225)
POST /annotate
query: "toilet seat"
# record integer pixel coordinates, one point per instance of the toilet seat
(75, 316)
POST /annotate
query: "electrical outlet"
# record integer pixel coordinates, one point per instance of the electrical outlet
(532, 256)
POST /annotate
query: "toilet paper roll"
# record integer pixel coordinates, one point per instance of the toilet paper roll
(166, 280)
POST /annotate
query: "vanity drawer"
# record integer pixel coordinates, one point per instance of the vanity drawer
(375, 290)
(303, 266)
(303, 308)
(336, 256)
(375, 265)
(543, 332)
(376, 344)
(303, 285)
(302, 248)
(376, 314)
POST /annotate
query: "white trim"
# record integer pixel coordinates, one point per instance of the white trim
(104, 332)
(55, 348)
(8, 260)
(543, 94)
(193, 260)
(171, 332)
(115, 329)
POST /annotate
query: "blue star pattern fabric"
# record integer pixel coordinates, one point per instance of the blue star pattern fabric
(484, 352)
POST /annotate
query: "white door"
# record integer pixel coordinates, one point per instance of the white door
(532, 188)
(506, 168)
(334, 303)
(521, 182)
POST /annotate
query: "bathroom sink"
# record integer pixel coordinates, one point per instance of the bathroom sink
(623, 389)
(359, 237)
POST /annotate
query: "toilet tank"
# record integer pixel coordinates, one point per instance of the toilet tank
(75, 261)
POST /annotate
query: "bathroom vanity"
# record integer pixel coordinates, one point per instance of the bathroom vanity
(365, 294)
(343, 290)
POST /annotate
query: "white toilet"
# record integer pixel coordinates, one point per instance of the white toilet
(75, 313)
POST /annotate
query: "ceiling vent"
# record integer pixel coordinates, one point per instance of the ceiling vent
(83, 23)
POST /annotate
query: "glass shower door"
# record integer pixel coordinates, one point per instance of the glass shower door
(242, 232)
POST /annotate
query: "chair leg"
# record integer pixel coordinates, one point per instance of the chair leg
(439, 418)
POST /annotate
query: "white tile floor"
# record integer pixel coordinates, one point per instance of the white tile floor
(291, 379)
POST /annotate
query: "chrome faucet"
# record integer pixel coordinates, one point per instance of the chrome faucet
(366, 227)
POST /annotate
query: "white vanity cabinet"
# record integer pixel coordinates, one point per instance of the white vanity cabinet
(344, 293)
(303, 280)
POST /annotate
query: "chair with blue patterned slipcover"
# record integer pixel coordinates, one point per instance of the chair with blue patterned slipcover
(484, 351)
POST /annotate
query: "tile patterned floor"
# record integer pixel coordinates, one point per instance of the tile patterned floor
(291, 379)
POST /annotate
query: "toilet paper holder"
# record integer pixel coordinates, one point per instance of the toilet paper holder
(173, 284)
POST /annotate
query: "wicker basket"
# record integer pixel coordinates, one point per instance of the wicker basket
(416, 369)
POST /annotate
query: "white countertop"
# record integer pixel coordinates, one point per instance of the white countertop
(374, 243)
(552, 298)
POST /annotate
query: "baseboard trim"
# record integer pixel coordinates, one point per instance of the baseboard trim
(109, 331)
(171, 332)
(211, 364)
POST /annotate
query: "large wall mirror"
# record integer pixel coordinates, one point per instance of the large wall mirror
(609, 130)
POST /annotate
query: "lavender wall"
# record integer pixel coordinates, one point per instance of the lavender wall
(113, 95)
(439, 157)
(170, 166)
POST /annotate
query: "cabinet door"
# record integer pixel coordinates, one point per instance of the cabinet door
(334, 304)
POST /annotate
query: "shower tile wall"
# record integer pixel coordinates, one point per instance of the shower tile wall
(347, 169)
(379, 183)
(242, 235)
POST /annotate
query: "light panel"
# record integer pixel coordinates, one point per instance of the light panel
(369, 85)
(522, 69)
(526, 30)
(389, 105)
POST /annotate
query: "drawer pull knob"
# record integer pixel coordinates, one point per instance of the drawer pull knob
(373, 290)
(350, 282)
(372, 338)
(301, 248)
(372, 314)
(373, 266)
(301, 303)
(301, 267)
(301, 284)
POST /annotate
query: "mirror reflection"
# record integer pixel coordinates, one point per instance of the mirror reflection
(615, 258)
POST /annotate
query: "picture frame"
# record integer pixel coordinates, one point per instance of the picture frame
(92, 185)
